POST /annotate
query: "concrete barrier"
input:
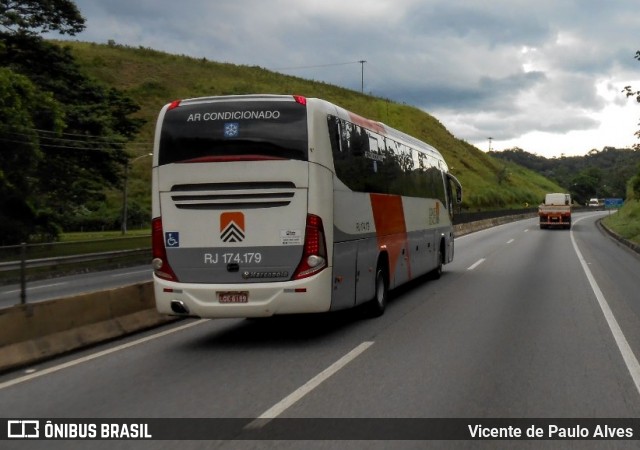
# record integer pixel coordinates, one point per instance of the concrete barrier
(472, 227)
(38, 331)
(34, 332)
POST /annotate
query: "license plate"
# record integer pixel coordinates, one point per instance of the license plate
(233, 297)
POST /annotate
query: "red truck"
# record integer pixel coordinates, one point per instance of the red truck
(555, 211)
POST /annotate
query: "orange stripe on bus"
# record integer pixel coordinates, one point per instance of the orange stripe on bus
(391, 229)
(367, 123)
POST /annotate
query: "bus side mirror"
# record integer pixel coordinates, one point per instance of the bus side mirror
(457, 186)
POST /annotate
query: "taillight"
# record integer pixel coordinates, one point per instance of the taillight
(160, 262)
(300, 99)
(173, 105)
(314, 256)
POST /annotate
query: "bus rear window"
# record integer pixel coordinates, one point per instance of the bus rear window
(230, 131)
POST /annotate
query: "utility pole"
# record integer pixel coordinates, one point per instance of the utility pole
(362, 61)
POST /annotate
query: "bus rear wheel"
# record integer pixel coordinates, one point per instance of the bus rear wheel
(437, 272)
(376, 306)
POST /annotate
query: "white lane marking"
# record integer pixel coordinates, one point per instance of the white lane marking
(621, 341)
(510, 241)
(118, 275)
(87, 358)
(526, 231)
(46, 286)
(476, 264)
(309, 386)
(33, 288)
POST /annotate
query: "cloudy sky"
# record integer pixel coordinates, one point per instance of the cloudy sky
(543, 75)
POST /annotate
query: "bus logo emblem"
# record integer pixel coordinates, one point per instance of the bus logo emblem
(232, 227)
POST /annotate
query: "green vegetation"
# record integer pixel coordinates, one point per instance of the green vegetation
(626, 222)
(599, 174)
(62, 133)
(154, 78)
(102, 235)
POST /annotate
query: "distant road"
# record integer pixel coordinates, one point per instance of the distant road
(525, 323)
(67, 286)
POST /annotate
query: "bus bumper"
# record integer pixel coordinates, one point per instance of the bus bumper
(310, 295)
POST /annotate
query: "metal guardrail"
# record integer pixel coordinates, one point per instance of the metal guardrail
(24, 264)
(56, 261)
(461, 217)
(74, 247)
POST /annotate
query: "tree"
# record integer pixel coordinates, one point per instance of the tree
(40, 16)
(635, 181)
(587, 184)
(628, 90)
(23, 109)
(89, 156)
(79, 143)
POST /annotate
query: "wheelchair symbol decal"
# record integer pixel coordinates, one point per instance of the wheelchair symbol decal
(172, 239)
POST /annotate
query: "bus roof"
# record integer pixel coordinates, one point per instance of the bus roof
(372, 125)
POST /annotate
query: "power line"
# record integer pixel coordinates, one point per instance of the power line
(318, 65)
(66, 134)
(67, 141)
(86, 142)
(97, 149)
(74, 145)
(84, 136)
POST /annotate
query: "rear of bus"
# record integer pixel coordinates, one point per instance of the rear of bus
(234, 232)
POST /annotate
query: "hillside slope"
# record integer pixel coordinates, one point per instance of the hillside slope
(153, 78)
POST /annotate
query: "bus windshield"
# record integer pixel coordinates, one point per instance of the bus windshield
(232, 131)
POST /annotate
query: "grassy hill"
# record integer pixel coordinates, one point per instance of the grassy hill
(153, 78)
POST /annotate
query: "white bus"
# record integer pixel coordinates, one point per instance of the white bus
(273, 204)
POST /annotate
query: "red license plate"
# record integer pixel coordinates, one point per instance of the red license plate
(233, 297)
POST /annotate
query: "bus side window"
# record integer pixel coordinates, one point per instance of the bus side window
(335, 134)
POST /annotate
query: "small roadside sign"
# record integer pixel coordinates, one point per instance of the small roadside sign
(613, 203)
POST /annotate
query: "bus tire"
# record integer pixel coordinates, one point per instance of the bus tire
(437, 272)
(376, 306)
